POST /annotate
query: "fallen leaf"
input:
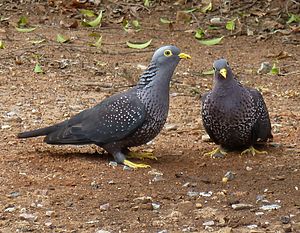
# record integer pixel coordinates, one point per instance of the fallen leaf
(96, 22)
(146, 3)
(138, 45)
(293, 18)
(275, 70)
(38, 69)
(87, 13)
(230, 25)
(25, 29)
(37, 41)
(199, 33)
(165, 21)
(98, 42)
(207, 8)
(1, 44)
(60, 39)
(211, 41)
(208, 72)
(22, 21)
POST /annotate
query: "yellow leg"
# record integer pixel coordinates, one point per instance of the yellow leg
(135, 165)
(216, 153)
(253, 151)
(142, 156)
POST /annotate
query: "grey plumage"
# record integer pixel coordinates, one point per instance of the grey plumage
(127, 119)
(234, 116)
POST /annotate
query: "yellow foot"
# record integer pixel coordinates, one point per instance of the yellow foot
(142, 156)
(216, 153)
(253, 151)
(135, 165)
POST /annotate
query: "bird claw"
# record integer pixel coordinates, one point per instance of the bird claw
(135, 165)
(253, 151)
(216, 153)
(141, 156)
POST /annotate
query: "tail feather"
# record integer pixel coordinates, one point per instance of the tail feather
(39, 132)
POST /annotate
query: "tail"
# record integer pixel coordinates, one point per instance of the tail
(39, 132)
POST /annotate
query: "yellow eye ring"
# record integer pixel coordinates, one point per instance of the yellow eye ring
(168, 53)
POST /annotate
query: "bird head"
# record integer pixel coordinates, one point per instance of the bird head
(221, 68)
(168, 56)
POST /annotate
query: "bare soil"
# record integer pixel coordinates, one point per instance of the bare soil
(47, 188)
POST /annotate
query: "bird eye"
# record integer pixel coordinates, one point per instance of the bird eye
(227, 64)
(214, 68)
(168, 53)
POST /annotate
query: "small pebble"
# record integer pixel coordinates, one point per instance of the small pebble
(270, 207)
(209, 223)
(28, 217)
(199, 205)
(143, 200)
(113, 164)
(249, 168)
(170, 127)
(10, 209)
(241, 206)
(285, 219)
(102, 231)
(192, 193)
(228, 176)
(155, 206)
(206, 194)
(265, 67)
(252, 226)
(14, 194)
(104, 207)
(49, 213)
(48, 224)
(205, 138)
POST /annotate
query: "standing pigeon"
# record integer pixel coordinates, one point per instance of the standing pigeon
(235, 117)
(127, 119)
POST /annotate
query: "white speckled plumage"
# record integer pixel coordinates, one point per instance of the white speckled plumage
(234, 116)
(131, 118)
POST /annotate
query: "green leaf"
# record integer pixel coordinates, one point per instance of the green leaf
(22, 21)
(136, 24)
(138, 45)
(60, 39)
(165, 21)
(38, 69)
(96, 22)
(208, 72)
(190, 10)
(2, 44)
(211, 41)
(207, 8)
(87, 13)
(275, 70)
(293, 18)
(146, 3)
(199, 33)
(37, 41)
(230, 25)
(213, 28)
(98, 42)
(25, 29)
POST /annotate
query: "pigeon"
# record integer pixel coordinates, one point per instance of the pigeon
(235, 117)
(123, 120)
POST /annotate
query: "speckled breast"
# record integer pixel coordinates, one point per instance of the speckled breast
(148, 131)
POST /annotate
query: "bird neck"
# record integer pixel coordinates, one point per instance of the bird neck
(154, 91)
(148, 75)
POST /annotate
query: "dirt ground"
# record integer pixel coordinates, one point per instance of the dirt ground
(75, 189)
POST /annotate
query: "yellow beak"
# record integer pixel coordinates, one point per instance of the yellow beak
(184, 56)
(223, 72)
